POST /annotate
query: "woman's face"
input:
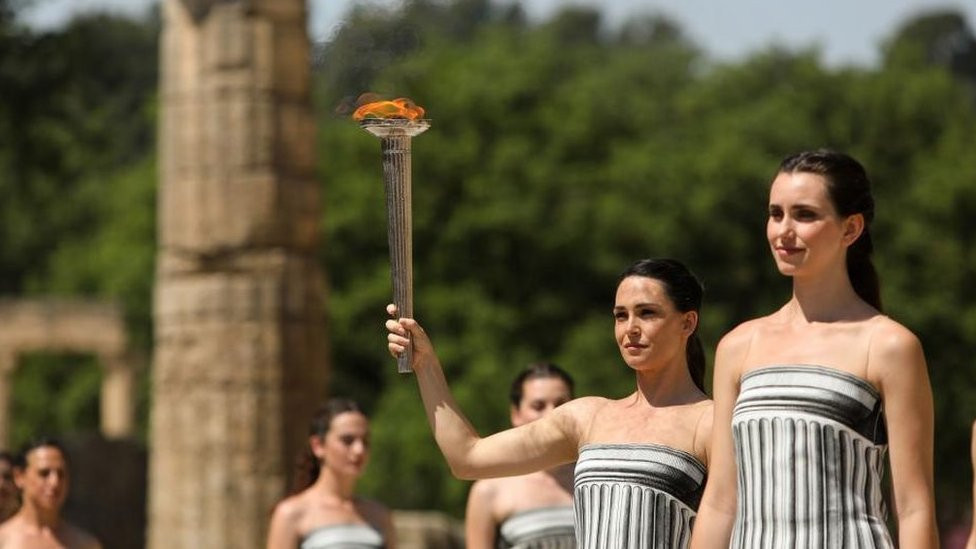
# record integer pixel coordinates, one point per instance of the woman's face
(804, 231)
(648, 328)
(540, 396)
(345, 448)
(44, 481)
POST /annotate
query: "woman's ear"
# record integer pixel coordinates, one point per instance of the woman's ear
(514, 416)
(690, 322)
(317, 444)
(853, 227)
(19, 473)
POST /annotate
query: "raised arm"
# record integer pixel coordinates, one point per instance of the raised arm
(904, 383)
(541, 444)
(716, 513)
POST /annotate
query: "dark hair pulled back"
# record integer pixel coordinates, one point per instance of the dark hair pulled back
(44, 441)
(308, 466)
(685, 292)
(850, 192)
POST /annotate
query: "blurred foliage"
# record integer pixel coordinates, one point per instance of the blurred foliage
(70, 379)
(559, 153)
(77, 181)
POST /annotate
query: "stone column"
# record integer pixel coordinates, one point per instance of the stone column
(117, 397)
(239, 359)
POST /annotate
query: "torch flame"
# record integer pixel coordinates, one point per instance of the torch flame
(397, 108)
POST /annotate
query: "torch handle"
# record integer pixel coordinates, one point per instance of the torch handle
(396, 171)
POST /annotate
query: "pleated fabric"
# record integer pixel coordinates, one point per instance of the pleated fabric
(343, 536)
(543, 528)
(636, 496)
(810, 445)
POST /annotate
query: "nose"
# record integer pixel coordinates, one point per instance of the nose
(633, 328)
(359, 447)
(55, 480)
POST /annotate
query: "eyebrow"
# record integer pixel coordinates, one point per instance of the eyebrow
(646, 304)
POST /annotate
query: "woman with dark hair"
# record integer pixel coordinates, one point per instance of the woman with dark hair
(42, 475)
(809, 399)
(535, 509)
(323, 511)
(640, 460)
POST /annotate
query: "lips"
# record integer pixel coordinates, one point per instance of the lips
(784, 250)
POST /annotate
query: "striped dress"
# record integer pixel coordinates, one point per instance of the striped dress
(810, 446)
(343, 536)
(542, 528)
(636, 496)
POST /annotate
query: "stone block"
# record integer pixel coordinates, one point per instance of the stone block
(280, 10)
(292, 61)
(295, 147)
(226, 37)
(262, 33)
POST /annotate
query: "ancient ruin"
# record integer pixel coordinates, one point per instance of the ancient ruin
(239, 360)
(71, 326)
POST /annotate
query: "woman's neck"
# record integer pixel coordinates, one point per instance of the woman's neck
(39, 517)
(823, 299)
(670, 386)
(337, 485)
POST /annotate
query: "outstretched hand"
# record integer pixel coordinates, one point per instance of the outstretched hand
(404, 332)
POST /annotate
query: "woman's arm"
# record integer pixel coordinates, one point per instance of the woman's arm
(904, 383)
(541, 444)
(480, 526)
(716, 513)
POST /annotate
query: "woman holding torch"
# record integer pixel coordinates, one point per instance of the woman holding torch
(641, 459)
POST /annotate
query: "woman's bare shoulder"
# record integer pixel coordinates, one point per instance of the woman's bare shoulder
(895, 354)
(739, 338)
(889, 335)
(291, 508)
(583, 406)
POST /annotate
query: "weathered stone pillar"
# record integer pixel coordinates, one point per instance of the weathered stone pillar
(117, 397)
(239, 358)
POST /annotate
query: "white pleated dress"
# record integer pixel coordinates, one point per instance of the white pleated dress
(636, 496)
(541, 528)
(343, 536)
(810, 445)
